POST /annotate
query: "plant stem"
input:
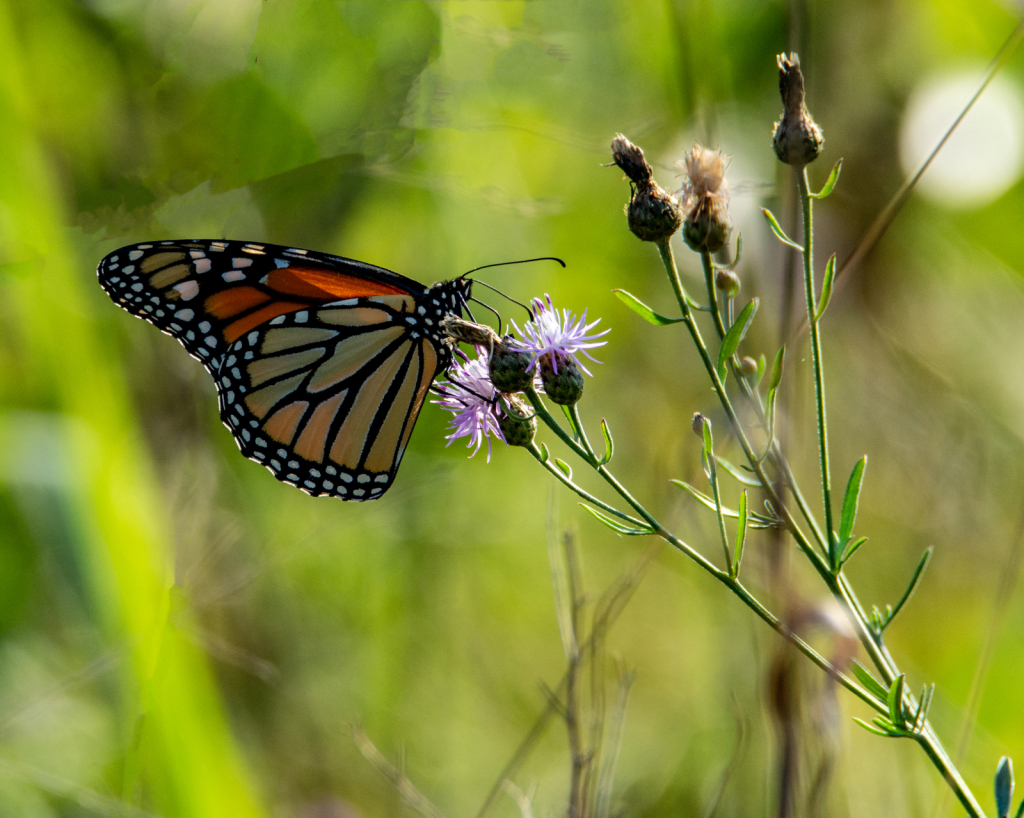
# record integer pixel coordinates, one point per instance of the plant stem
(819, 376)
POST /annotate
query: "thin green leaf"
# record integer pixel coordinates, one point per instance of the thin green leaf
(645, 312)
(921, 715)
(1004, 787)
(870, 683)
(894, 730)
(777, 366)
(741, 534)
(830, 183)
(609, 443)
(745, 479)
(780, 234)
(894, 700)
(564, 468)
(615, 525)
(734, 336)
(851, 500)
(1020, 810)
(826, 287)
(874, 730)
(705, 499)
(907, 594)
(709, 441)
(762, 364)
(736, 259)
(851, 549)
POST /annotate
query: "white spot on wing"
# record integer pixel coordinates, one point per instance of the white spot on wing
(241, 262)
(188, 289)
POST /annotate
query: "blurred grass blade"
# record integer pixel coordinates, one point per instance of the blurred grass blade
(1004, 787)
(645, 312)
(914, 581)
(603, 800)
(615, 525)
(780, 234)
(850, 502)
(830, 183)
(826, 287)
(734, 337)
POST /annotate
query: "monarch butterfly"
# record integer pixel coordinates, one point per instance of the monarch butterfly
(321, 363)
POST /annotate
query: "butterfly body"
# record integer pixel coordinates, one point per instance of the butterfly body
(321, 363)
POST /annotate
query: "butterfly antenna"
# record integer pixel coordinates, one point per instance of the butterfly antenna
(487, 307)
(521, 261)
(505, 296)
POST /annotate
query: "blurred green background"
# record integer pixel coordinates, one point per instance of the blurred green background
(182, 635)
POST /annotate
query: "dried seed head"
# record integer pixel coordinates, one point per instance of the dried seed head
(562, 379)
(511, 369)
(518, 424)
(479, 335)
(652, 213)
(728, 282)
(797, 139)
(706, 221)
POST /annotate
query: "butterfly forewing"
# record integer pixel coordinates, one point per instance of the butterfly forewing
(321, 363)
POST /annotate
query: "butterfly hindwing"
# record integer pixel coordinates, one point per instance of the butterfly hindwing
(327, 398)
(322, 363)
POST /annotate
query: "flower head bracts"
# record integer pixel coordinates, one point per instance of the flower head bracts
(558, 335)
(471, 397)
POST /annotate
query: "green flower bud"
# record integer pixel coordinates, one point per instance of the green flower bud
(797, 139)
(728, 282)
(518, 424)
(698, 425)
(510, 368)
(748, 366)
(564, 387)
(652, 213)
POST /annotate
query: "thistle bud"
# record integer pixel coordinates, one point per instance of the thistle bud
(562, 379)
(797, 139)
(748, 366)
(706, 221)
(728, 282)
(698, 425)
(518, 424)
(652, 213)
(510, 368)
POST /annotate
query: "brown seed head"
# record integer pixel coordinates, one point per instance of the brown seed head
(652, 213)
(797, 139)
(707, 224)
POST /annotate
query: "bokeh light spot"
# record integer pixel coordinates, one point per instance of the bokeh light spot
(985, 155)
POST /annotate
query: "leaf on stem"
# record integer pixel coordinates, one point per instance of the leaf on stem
(545, 455)
(745, 479)
(645, 312)
(850, 502)
(826, 287)
(709, 441)
(754, 520)
(615, 525)
(851, 549)
(780, 234)
(762, 364)
(734, 337)
(907, 594)
(894, 699)
(921, 714)
(777, 366)
(1004, 786)
(830, 183)
(564, 468)
(609, 443)
(741, 535)
(876, 730)
(871, 684)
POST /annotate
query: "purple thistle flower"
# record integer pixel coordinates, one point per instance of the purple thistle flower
(561, 335)
(471, 397)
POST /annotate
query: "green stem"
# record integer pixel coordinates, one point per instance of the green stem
(819, 376)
